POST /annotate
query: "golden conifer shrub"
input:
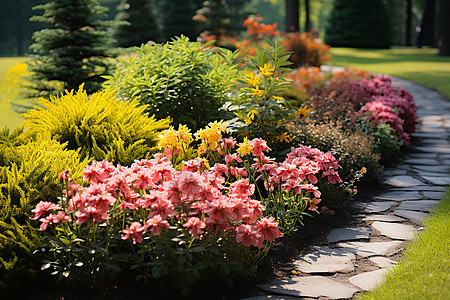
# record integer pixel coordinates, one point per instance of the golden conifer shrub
(100, 126)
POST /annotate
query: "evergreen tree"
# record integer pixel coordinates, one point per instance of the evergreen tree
(176, 17)
(360, 24)
(142, 26)
(74, 49)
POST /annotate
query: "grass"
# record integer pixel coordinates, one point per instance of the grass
(424, 272)
(8, 117)
(423, 65)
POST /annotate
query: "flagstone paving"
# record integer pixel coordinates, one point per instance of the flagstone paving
(355, 258)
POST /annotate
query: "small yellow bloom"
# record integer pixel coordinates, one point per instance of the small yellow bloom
(304, 110)
(363, 170)
(174, 139)
(251, 116)
(267, 70)
(244, 148)
(278, 98)
(211, 136)
(284, 138)
(252, 79)
(257, 91)
(294, 272)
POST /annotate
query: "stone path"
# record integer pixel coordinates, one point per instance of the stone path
(355, 258)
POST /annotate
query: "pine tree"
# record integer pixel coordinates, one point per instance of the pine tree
(142, 27)
(74, 49)
(360, 24)
(177, 18)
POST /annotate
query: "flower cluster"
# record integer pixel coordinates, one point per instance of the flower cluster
(307, 49)
(190, 199)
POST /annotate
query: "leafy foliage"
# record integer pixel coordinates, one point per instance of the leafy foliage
(101, 127)
(181, 79)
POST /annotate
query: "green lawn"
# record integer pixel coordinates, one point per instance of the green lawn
(424, 272)
(423, 66)
(8, 117)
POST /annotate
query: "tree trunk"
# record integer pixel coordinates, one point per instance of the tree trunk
(292, 15)
(307, 17)
(426, 35)
(408, 22)
(444, 28)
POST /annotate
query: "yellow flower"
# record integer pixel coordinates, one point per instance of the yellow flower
(244, 148)
(267, 70)
(174, 139)
(251, 116)
(304, 110)
(278, 98)
(257, 91)
(252, 79)
(294, 272)
(211, 136)
(363, 170)
(284, 138)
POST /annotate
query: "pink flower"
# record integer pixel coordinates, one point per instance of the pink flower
(64, 176)
(220, 169)
(134, 230)
(268, 228)
(97, 172)
(255, 210)
(229, 143)
(259, 145)
(313, 204)
(42, 208)
(195, 224)
(191, 183)
(242, 188)
(54, 219)
(193, 165)
(155, 224)
(220, 210)
(249, 235)
(229, 158)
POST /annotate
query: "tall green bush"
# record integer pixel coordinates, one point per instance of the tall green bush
(101, 126)
(184, 80)
(359, 24)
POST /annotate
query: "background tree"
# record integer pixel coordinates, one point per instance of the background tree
(361, 24)
(444, 28)
(292, 16)
(142, 25)
(176, 18)
(74, 49)
(427, 29)
(307, 16)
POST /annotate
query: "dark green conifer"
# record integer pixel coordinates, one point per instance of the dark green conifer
(360, 24)
(73, 49)
(177, 18)
(142, 25)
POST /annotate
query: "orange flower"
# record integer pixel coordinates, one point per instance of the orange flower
(304, 110)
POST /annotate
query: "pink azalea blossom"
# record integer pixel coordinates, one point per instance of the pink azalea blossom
(54, 219)
(42, 208)
(229, 143)
(259, 145)
(249, 235)
(242, 188)
(155, 224)
(269, 228)
(134, 231)
(97, 171)
(196, 225)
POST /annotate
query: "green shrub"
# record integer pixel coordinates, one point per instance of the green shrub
(185, 80)
(28, 174)
(101, 127)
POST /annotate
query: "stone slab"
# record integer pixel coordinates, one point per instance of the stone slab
(399, 196)
(374, 207)
(394, 230)
(438, 180)
(423, 155)
(435, 169)
(363, 249)
(435, 148)
(326, 260)
(383, 262)
(271, 297)
(419, 205)
(435, 188)
(414, 216)
(433, 195)
(369, 280)
(422, 161)
(385, 218)
(348, 234)
(403, 181)
(311, 286)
